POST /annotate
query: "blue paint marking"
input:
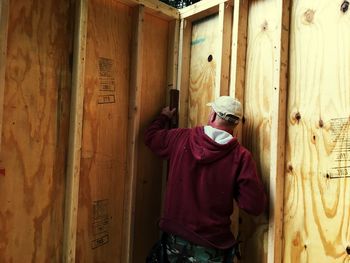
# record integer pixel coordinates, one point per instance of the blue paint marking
(198, 41)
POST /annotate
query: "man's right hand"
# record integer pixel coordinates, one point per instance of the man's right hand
(167, 112)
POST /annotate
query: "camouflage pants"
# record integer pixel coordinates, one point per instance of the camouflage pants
(182, 251)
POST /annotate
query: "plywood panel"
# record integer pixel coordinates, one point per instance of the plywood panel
(35, 130)
(104, 146)
(264, 31)
(203, 67)
(153, 99)
(317, 188)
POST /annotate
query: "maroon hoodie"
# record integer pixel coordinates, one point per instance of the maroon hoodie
(204, 178)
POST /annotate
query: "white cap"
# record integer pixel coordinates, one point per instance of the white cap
(227, 108)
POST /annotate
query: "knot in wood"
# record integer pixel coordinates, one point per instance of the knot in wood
(344, 6)
(297, 116)
(348, 250)
(309, 15)
(320, 123)
(265, 26)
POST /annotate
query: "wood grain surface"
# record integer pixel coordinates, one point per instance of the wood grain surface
(317, 189)
(203, 66)
(35, 130)
(104, 145)
(264, 25)
(149, 170)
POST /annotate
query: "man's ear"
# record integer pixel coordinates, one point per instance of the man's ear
(213, 117)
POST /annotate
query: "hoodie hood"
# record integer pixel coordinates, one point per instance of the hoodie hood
(205, 149)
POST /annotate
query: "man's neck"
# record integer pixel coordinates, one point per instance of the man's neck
(223, 128)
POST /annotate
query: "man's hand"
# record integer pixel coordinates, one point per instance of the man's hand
(167, 112)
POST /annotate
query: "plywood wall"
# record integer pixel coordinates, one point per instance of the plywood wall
(154, 92)
(317, 189)
(203, 66)
(263, 95)
(37, 63)
(35, 130)
(104, 145)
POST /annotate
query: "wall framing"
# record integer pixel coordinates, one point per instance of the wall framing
(75, 136)
(253, 65)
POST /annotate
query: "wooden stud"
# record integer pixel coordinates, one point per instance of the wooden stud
(234, 46)
(237, 72)
(75, 134)
(278, 130)
(226, 49)
(173, 53)
(219, 50)
(173, 56)
(134, 127)
(238, 53)
(184, 70)
(4, 13)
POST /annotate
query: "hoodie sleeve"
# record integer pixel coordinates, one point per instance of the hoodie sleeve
(158, 138)
(250, 194)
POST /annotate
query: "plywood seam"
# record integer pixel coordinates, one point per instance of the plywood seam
(75, 134)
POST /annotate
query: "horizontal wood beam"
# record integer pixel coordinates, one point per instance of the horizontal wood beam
(156, 8)
(201, 6)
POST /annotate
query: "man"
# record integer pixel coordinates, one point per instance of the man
(208, 168)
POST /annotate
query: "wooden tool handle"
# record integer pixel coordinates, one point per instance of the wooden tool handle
(174, 104)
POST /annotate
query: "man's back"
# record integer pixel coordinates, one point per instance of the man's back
(204, 177)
